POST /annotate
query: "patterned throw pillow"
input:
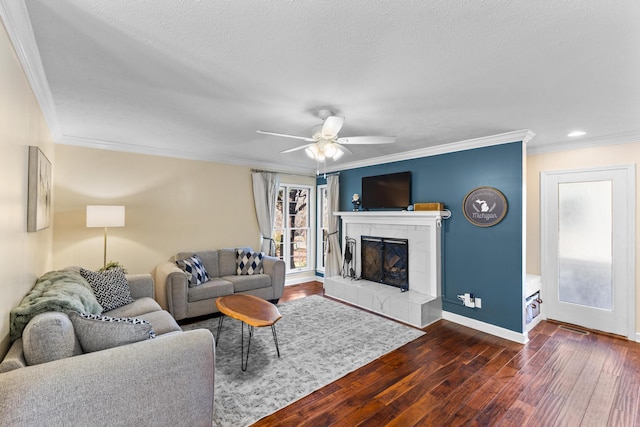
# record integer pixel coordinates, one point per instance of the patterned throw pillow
(194, 269)
(110, 287)
(97, 333)
(249, 262)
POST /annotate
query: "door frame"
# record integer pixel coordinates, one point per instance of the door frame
(630, 256)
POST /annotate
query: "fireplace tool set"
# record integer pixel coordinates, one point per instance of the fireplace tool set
(349, 262)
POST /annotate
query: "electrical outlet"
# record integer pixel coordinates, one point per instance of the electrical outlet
(468, 300)
(478, 302)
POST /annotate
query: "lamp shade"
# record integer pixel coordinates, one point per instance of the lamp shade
(105, 216)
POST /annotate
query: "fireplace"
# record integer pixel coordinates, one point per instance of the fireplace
(385, 260)
(422, 303)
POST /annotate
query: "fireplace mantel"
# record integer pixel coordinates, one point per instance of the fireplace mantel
(397, 217)
(421, 304)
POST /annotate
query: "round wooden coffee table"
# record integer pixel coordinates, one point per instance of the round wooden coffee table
(253, 311)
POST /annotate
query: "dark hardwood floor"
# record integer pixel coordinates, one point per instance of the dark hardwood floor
(454, 375)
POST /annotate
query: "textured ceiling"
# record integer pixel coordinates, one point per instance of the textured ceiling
(196, 79)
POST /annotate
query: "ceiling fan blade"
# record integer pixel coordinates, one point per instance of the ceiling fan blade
(291, 150)
(367, 140)
(343, 148)
(332, 126)
(285, 135)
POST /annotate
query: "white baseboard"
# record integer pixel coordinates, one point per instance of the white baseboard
(521, 338)
(301, 279)
(637, 337)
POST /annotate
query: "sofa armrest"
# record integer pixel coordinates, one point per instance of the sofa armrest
(141, 285)
(163, 381)
(14, 359)
(275, 268)
(172, 289)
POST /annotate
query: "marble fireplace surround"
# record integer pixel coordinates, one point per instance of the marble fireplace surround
(420, 305)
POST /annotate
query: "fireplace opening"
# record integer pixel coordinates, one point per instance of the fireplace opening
(385, 260)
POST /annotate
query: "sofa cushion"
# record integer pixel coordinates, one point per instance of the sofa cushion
(249, 283)
(97, 333)
(110, 287)
(161, 321)
(135, 309)
(249, 262)
(210, 262)
(227, 261)
(214, 288)
(49, 336)
(194, 269)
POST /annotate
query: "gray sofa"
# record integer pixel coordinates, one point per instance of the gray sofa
(167, 380)
(184, 302)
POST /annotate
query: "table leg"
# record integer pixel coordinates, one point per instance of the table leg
(245, 361)
(275, 338)
(219, 328)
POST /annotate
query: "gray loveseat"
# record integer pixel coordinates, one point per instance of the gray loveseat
(167, 380)
(221, 265)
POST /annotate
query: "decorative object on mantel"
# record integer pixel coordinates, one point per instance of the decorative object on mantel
(484, 206)
(433, 206)
(39, 198)
(355, 200)
(105, 216)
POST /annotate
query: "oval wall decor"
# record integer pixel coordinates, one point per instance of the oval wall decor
(484, 206)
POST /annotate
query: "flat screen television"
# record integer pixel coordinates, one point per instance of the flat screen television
(390, 191)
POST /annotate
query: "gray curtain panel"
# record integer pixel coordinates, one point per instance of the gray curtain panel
(265, 194)
(334, 253)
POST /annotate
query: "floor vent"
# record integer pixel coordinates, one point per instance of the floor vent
(570, 329)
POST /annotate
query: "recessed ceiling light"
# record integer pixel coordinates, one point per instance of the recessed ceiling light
(577, 133)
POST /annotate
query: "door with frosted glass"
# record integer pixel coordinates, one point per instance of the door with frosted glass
(586, 248)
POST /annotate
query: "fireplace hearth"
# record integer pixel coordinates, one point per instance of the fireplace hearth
(385, 260)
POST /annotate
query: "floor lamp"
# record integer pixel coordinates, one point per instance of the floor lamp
(105, 216)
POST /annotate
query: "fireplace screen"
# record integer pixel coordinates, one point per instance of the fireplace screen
(385, 260)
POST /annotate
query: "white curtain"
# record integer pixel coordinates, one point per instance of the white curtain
(265, 194)
(334, 253)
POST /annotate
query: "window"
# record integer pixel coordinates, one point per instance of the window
(322, 228)
(292, 227)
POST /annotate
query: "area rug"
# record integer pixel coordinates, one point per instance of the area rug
(320, 341)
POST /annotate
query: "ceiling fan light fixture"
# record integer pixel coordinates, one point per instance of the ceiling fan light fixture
(339, 153)
(330, 150)
(312, 151)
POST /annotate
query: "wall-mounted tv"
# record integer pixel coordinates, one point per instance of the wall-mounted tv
(390, 191)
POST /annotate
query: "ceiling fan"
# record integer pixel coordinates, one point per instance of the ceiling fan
(324, 142)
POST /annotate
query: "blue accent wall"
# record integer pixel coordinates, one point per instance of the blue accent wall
(484, 261)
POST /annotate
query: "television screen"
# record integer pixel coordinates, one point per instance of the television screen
(389, 191)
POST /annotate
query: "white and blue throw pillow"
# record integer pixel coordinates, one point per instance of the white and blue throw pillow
(194, 269)
(97, 333)
(249, 262)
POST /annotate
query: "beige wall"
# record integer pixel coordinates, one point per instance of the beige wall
(23, 256)
(171, 205)
(622, 154)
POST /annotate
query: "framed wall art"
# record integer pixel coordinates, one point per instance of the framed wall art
(484, 206)
(39, 192)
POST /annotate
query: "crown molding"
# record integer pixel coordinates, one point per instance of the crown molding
(524, 135)
(596, 141)
(181, 154)
(16, 20)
